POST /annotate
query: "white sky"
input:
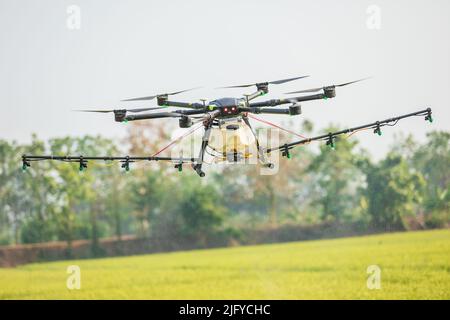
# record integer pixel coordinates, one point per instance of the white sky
(135, 48)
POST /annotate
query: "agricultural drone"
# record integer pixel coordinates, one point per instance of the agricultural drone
(226, 118)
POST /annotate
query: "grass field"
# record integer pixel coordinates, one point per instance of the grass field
(414, 265)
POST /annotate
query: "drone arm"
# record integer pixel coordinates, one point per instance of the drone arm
(134, 117)
(265, 110)
(329, 137)
(278, 102)
(175, 114)
(318, 96)
(168, 103)
(255, 95)
(269, 103)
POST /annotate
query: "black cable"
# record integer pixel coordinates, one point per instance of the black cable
(391, 125)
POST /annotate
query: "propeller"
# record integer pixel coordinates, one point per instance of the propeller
(332, 86)
(122, 110)
(164, 94)
(270, 82)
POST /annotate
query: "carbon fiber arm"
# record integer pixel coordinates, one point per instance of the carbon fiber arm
(278, 102)
(167, 103)
(159, 115)
(265, 110)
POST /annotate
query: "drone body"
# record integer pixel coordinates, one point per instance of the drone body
(228, 134)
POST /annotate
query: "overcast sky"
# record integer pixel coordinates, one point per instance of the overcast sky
(133, 48)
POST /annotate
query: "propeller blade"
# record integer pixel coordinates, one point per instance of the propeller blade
(141, 98)
(347, 83)
(154, 96)
(270, 82)
(127, 110)
(305, 91)
(144, 109)
(181, 91)
(321, 88)
(286, 80)
(99, 111)
(238, 86)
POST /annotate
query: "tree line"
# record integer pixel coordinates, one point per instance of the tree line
(55, 201)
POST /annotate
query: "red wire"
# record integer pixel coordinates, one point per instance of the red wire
(177, 140)
(352, 133)
(276, 126)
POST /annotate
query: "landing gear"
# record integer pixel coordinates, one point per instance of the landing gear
(198, 168)
(205, 140)
(261, 155)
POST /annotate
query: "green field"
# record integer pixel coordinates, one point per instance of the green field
(414, 265)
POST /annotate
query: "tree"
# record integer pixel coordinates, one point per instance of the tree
(148, 183)
(40, 186)
(337, 178)
(10, 211)
(392, 191)
(432, 160)
(174, 205)
(76, 190)
(148, 192)
(200, 207)
(26, 202)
